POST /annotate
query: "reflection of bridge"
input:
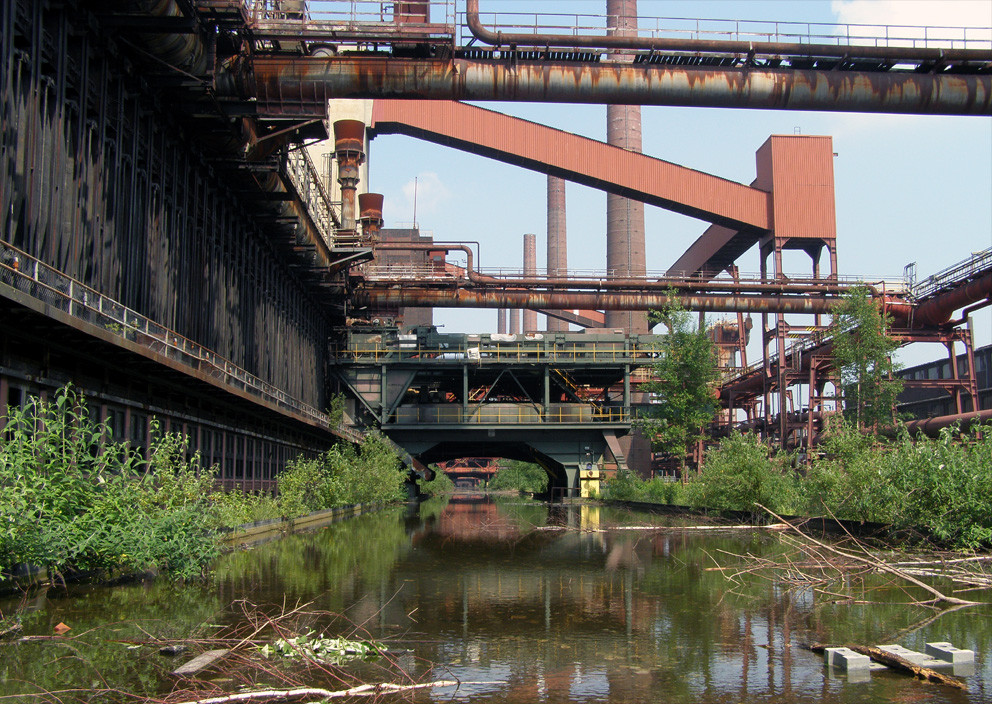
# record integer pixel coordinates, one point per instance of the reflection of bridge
(170, 248)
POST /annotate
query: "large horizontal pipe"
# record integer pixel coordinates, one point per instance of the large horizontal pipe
(932, 426)
(606, 300)
(769, 287)
(938, 310)
(711, 46)
(302, 86)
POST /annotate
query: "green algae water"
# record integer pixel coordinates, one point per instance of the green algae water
(520, 601)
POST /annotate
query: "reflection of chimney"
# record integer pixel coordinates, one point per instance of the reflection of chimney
(501, 321)
(557, 245)
(370, 215)
(514, 321)
(530, 272)
(624, 217)
(349, 150)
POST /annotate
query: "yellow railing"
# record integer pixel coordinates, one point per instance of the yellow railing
(501, 353)
(505, 414)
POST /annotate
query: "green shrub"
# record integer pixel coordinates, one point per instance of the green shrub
(519, 476)
(72, 499)
(439, 485)
(343, 475)
(739, 475)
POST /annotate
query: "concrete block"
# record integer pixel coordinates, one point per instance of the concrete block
(912, 656)
(948, 653)
(846, 659)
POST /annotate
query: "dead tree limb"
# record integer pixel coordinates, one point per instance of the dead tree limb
(877, 564)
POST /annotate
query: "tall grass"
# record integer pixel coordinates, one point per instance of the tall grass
(74, 499)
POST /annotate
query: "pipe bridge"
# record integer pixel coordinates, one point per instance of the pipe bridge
(560, 400)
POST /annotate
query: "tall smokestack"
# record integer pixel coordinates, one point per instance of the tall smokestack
(557, 243)
(514, 320)
(349, 150)
(624, 218)
(530, 272)
(501, 321)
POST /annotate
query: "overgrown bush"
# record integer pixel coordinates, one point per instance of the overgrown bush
(441, 484)
(942, 485)
(740, 475)
(72, 498)
(343, 475)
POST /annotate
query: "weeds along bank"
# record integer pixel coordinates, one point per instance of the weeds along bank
(942, 486)
(73, 499)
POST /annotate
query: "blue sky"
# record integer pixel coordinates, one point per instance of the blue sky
(909, 188)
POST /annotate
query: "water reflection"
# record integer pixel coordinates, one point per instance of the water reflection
(531, 602)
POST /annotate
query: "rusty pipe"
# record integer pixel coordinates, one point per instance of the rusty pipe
(931, 427)
(517, 299)
(714, 46)
(625, 284)
(938, 310)
(185, 51)
(301, 86)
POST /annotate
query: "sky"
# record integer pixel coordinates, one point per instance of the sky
(908, 188)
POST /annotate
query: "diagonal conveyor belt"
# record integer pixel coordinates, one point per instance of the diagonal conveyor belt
(579, 159)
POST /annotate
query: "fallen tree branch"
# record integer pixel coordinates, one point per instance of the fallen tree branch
(365, 690)
(900, 664)
(877, 564)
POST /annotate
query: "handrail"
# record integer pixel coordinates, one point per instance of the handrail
(31, 276)
(978, 262)
(506, 414)
(303, 174)
(629, 39)
(499, 353)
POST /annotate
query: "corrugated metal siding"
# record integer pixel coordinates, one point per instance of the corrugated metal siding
(581, 159)
(802, 174)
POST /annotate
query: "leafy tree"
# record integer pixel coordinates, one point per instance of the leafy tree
(683, 381)
(862, 352)
(522, 476)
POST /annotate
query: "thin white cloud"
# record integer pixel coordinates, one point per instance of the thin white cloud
(906, 18)
(420, 197)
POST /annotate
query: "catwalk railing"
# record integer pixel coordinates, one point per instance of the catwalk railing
(507, 414)
(977, 263)
(32, 277)
(738, 30)
(303, 175)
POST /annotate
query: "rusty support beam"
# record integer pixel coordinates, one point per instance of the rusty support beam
(301, 86)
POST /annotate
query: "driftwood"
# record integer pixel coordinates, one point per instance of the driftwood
(880, 565)
(365, 690)
(899, 664)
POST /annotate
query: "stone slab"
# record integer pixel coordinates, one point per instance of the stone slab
(947, 653)
(846, 659)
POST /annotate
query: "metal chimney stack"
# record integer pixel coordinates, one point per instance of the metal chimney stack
(514, 315)
(501, 321)
(557, 244)
(530, 272)
(624, 218)
(370, 216)
(349, 150)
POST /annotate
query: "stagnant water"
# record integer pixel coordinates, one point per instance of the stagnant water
(522, 602)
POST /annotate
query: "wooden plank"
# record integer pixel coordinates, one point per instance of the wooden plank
(200, 662)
